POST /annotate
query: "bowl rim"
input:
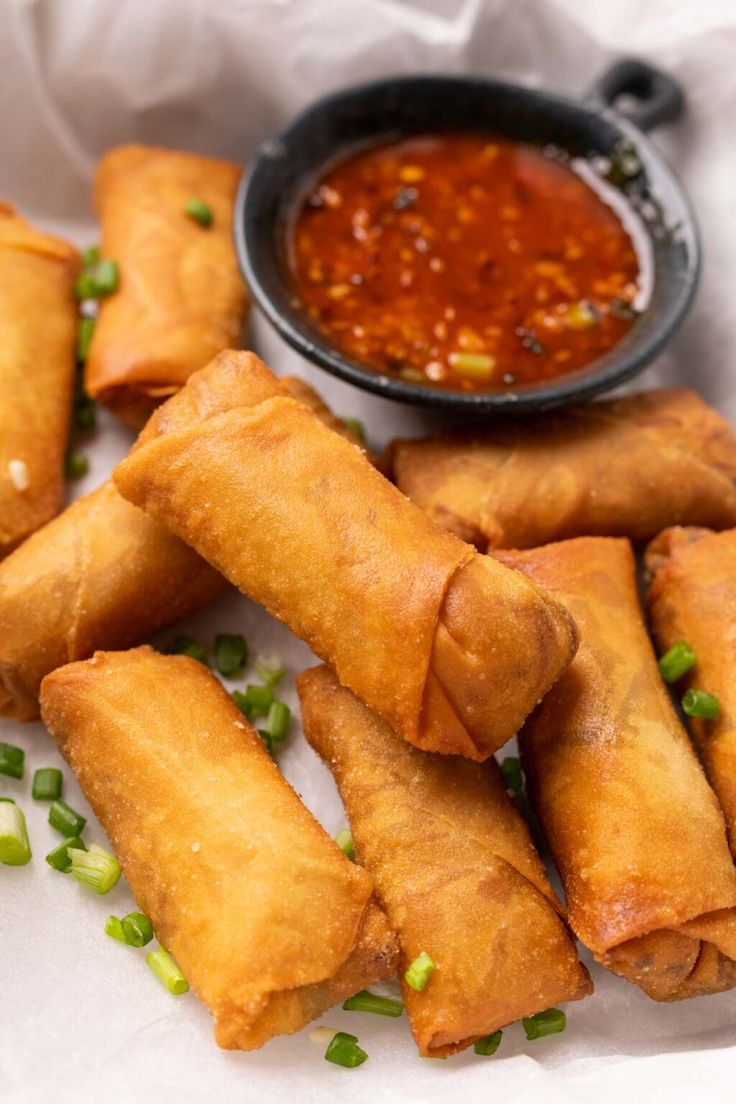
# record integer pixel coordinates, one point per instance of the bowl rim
(577, 386)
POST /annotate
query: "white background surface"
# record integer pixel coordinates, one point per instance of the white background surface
(81, 1017)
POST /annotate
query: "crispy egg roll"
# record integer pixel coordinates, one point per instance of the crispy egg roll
(38, 319)
(617, 467)
(634, 828)
(268, 920)
(455, 869)
(181, 298)
(450, 647)
(100, 575)
(692, 597)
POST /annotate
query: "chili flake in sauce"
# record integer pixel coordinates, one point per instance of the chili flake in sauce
(464, 263)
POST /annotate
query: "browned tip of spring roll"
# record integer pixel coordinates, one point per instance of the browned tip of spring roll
(101, 574)
(455, 870)
(452, 648)
(692, 598)
(38, 318)
(617, 467)
(181, 297)
(267, 919)
(633, 826)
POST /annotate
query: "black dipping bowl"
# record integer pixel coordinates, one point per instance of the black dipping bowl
(630, 98)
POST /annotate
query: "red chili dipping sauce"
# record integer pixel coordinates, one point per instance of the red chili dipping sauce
(464, 263)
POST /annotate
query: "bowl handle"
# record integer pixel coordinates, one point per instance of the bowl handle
(658, 97)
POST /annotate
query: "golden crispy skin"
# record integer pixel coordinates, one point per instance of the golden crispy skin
(633, 826)
(181, 297)
(455, 870)
(101, 575)
(38, 319)
(269, 922)
(692, 597)
(452, 648)
(618, 467)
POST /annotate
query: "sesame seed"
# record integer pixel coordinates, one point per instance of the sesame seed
(19, 474)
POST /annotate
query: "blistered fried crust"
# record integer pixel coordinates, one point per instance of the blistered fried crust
(101, 575)
(267, 919)
(618, 467)
(181, 297)
(453, 649)
(38, 316)
(633, 826)
(455, 869)
(692, 597)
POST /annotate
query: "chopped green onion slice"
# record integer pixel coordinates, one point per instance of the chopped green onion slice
(344, 841)
(187, 645)
(370, 1002)
(344, 1051)
(255, 702)
(114, 928)
(65, 820)
(167, 971)
(76, 464)
(512, 776)
(47, 784)
(420, 971)
(15, 848)
(200, 211)
(674, 663)
(231, 653)
(84, 411)
(489, 1044)
(699, 703)
(278, 721)
(85, 329)
(59, 857)
(90, 256)
(355, 426)
(137, 929)
(550, 1022)
(472, 365)
(95, 868)
(10, 799)
(12, 760)
(271, 676)
(97, 280)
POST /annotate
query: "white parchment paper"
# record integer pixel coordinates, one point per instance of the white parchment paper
(81, 1017)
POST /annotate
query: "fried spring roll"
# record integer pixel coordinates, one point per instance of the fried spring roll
(181, 298)
(101, 575)
(452, 648)
(38, 319)
(619, 467)
(634, 827)
(268, 920)
(455, 870)
(692, 597)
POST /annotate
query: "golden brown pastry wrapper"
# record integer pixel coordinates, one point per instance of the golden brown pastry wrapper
(617, 467)
(181, 297)
(38, 319)
(692, 597)
(267, 919)
(455, 870)
(452, 648)
(101, 575)
(634, 827)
